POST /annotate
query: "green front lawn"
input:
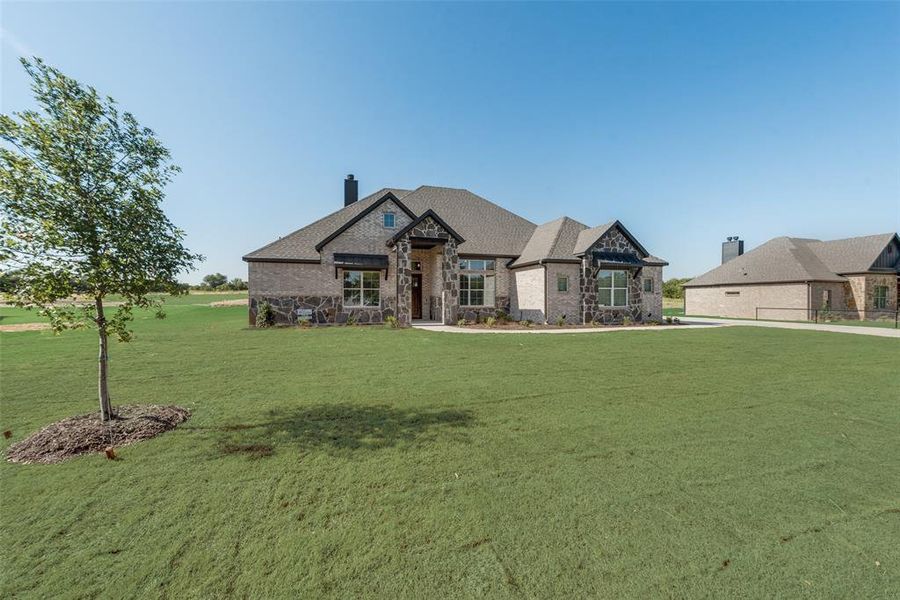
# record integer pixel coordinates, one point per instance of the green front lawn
(12, 315)
(365, 462)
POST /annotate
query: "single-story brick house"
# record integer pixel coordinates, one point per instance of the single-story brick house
(442, 254)
(799, 279)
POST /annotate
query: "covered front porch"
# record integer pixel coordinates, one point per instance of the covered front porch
(427, 270)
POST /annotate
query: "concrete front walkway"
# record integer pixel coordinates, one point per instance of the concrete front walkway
(686, 323)
(857, 329)
(435, 326)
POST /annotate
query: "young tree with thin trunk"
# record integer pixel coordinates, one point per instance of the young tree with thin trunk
(81, 185)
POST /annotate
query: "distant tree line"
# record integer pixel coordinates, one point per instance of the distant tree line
(674, 288)
(220, 282)
(10, 280)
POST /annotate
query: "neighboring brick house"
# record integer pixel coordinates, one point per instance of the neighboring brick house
(442, 254)
(799, 279)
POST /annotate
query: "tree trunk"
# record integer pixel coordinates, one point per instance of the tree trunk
(102, 384)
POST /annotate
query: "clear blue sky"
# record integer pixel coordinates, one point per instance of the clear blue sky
(688, 122)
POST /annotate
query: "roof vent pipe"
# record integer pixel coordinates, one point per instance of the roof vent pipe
(351, 190)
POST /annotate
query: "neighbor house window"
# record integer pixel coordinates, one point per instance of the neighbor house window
(476, 289)
(389, 221)
(881, 296)
(648, 285)
(468, 264)
(562, 283)
(826, 299)
(362, 288)
(612, 288)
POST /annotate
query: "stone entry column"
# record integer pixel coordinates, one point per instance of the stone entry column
(428, 229)
(404, 281)
(450, 283)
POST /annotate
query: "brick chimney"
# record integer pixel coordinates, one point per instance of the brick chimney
(351, 190)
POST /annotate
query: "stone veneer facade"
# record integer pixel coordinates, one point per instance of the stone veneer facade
(428, 228)
(611, 241)
(530, 292)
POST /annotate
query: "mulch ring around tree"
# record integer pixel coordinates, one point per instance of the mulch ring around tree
(87, 433)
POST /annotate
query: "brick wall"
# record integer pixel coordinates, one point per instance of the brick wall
(651, 302)
(528, 296)
(563, 304)
(741, 301)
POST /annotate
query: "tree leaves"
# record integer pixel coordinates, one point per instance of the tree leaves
(81, 187)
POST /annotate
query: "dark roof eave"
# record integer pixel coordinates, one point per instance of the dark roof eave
(627, 235)
(428, 213)
(767, 282)
(388, 196)
(307, 261)
(545, 261)
(875, 271)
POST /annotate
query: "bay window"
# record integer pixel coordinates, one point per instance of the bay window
(612, 288)
(362, 288)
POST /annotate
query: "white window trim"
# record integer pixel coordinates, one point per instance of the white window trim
(393, 216)
(559, 278)
(612, 289)
(485, 275)
(361, 289)
(652, 286)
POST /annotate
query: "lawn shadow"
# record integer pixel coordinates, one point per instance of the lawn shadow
(343, 427)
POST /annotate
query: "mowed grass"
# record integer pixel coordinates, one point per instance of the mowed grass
(364, 462)
(13, 315)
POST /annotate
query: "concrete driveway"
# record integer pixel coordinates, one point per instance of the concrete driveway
(855, 329)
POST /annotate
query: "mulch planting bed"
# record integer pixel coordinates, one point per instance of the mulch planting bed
(87, 433)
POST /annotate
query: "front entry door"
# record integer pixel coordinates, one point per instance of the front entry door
(417, 296)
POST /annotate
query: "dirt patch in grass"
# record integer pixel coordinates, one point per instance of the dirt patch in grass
(237, 302)
(249, 450)
(24, 327)
(87, 433)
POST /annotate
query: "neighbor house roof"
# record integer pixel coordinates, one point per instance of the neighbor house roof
(786, 259)
(487, 229)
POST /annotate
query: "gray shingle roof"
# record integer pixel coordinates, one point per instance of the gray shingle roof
(564, 239)
(655, 261)
(589, 236)
(301, 244)
(553, 240)
(851, 255)
(487, 228)
(797, 259)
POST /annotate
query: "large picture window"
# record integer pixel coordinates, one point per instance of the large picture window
(362, 288)
(612, 288)
(476, 289)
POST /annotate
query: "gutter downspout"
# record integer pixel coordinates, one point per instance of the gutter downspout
(546, 292)
(809, 308)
